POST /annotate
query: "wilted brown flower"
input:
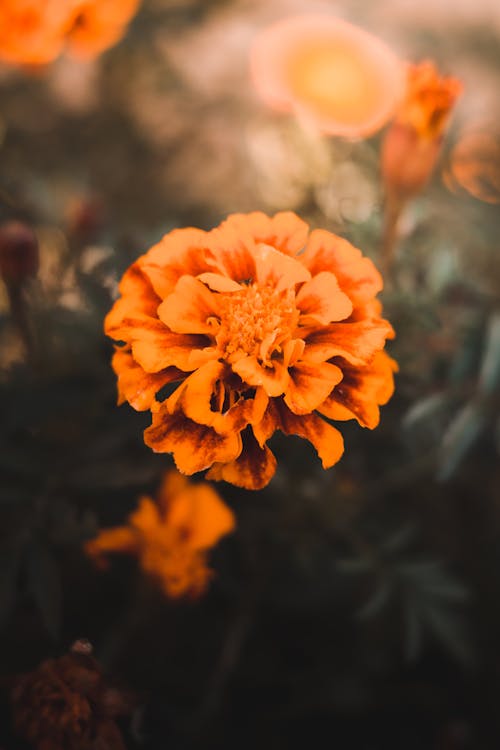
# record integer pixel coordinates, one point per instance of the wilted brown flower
(65, 704)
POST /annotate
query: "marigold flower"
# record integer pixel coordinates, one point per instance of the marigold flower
(253, 336)
(32, 31)
(35, 32)
(171, 537)
(328, 71)
(413, 142)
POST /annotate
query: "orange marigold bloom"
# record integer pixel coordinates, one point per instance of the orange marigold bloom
(328, 71)
(413, 142)
(171, 537)
(35, 32)
(251, 333)
(32, 31)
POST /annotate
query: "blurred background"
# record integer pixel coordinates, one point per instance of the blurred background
(357, 606)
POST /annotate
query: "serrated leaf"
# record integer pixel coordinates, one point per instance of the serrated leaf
(44, 583)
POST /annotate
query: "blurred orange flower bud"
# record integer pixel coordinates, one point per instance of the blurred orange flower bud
(413, 142)
(329, 72)
(18, 253)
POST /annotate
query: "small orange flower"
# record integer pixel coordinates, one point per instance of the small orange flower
(329, 72)
(413, 142)
(35, 32)
(251, 333)
(171, 537)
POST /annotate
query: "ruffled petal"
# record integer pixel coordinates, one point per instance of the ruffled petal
(181, 252)
(356, 342)
(202, 398)
(155, 347)
(278, 270)
(321, 300)
(219, 283)
(326, 439)
(310, 384)
(357, 276)
(362, 391)
(191, 308)
(267, 426)
(285, 230)
(138, 302)
(194, 447)
(274, 379)
(252, 470)
(137, 387)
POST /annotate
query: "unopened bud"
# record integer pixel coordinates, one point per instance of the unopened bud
(18, 253)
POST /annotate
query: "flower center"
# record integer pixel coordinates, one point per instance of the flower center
(256, 321)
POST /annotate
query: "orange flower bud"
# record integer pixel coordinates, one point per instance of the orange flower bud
(413, 142)
(18, 253)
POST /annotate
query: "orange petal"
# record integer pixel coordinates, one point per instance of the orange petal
(310, 384)
(155, 347)
(138, 301)
(252, 470)
(357, 276)
(200, 513)
(181, 252)
(99, 24)
(274, 380)
(189, 308)
(326, 439)
(137, 387)
(279, 270)
(321, 300)
(219, 283)
(356, 342)
(268, 425)
(194, 447)
(284, 231)
(209, 384)
(118, 539)
(361, 392)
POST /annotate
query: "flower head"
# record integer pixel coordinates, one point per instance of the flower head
(328, 71)
(32, 31)
(36, 32)
(255, 326)
(171, 537)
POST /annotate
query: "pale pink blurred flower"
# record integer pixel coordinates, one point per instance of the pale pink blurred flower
(328, 72)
